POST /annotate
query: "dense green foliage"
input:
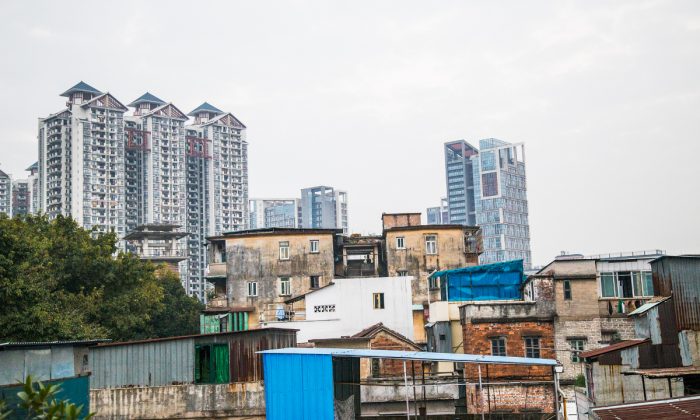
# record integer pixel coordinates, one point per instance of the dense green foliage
(59, 281)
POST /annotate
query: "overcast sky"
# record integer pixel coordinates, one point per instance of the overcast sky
(362, 95)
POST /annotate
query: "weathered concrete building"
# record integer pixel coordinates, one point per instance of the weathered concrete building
(198, 376)
(417, 250)
(592, 297)
(265, 267)
(662, 361)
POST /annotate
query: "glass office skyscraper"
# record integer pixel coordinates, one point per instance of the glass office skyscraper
(460, 187)
(487, 187)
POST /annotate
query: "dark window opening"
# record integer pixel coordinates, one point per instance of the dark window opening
(315, 281)
(567, 290)
(625, 279)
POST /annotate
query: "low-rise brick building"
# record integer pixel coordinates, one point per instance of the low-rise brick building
(520, 328)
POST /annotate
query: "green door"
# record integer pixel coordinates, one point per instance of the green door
(221, 363)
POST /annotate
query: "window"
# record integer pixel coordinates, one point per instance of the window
(498, 346)
(434, 282)
(577, 346)
(378, 300)
(648, 283)
(314, 282)
(252, 288)
(625, 281)
(607, 285)
(532, 347)
(402, 273)
(431, 244)
(285, 286)
(400, 244)
(314, 246)
(284, 250)
(567, 289)
(375, 367)
(489, 184)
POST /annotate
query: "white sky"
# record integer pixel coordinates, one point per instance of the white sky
(361, 95)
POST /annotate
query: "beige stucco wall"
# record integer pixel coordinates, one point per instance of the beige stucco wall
(256, 258)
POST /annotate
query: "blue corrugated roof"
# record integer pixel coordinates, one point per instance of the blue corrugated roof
(81, 87)
(415, 355)
(149, 98)
(206, 106)
(515, 265)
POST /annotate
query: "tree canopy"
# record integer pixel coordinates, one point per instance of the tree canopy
(59, 281)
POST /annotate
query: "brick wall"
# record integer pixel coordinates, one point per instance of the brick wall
(591, 330)
(495, 399)
(389, 367)
(505, 397)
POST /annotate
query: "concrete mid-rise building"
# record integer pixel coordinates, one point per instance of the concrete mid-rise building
(5, 193)
(33, 184)
(324, 207)
(21, 198)
(81, 160)
(273, 212)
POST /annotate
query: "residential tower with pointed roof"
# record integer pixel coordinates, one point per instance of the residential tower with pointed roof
(217, 182)
(81, 160)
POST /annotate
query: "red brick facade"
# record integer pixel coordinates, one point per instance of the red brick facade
(516, 398)
(390, 367)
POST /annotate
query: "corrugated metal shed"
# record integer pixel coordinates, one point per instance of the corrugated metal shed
(143, 364)
(680, 277)
(417, 355)
(171, 360)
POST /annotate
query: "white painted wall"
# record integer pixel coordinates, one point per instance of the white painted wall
(353, 310)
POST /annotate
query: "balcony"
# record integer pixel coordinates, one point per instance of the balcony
(217, 269)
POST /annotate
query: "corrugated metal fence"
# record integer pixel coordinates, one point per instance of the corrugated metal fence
(143, 364)
(680, 277)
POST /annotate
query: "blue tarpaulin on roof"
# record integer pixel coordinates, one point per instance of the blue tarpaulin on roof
(499, 281)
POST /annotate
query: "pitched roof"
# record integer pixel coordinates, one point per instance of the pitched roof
(650, 304)
(147, 98)
(33, 166)
(375, 329)
(80, 87)
(205, 107)
(677, 408)
(613, 347)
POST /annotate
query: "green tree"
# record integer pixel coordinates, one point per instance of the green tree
(59, 281)
(39, 402)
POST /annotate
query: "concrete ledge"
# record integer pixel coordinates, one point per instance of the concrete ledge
(244, 399)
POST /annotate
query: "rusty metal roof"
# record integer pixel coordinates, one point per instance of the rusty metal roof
(613, 347)
(665, 372)
(650, 304)
(54, 343)
(678, 408)
(183, 337)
